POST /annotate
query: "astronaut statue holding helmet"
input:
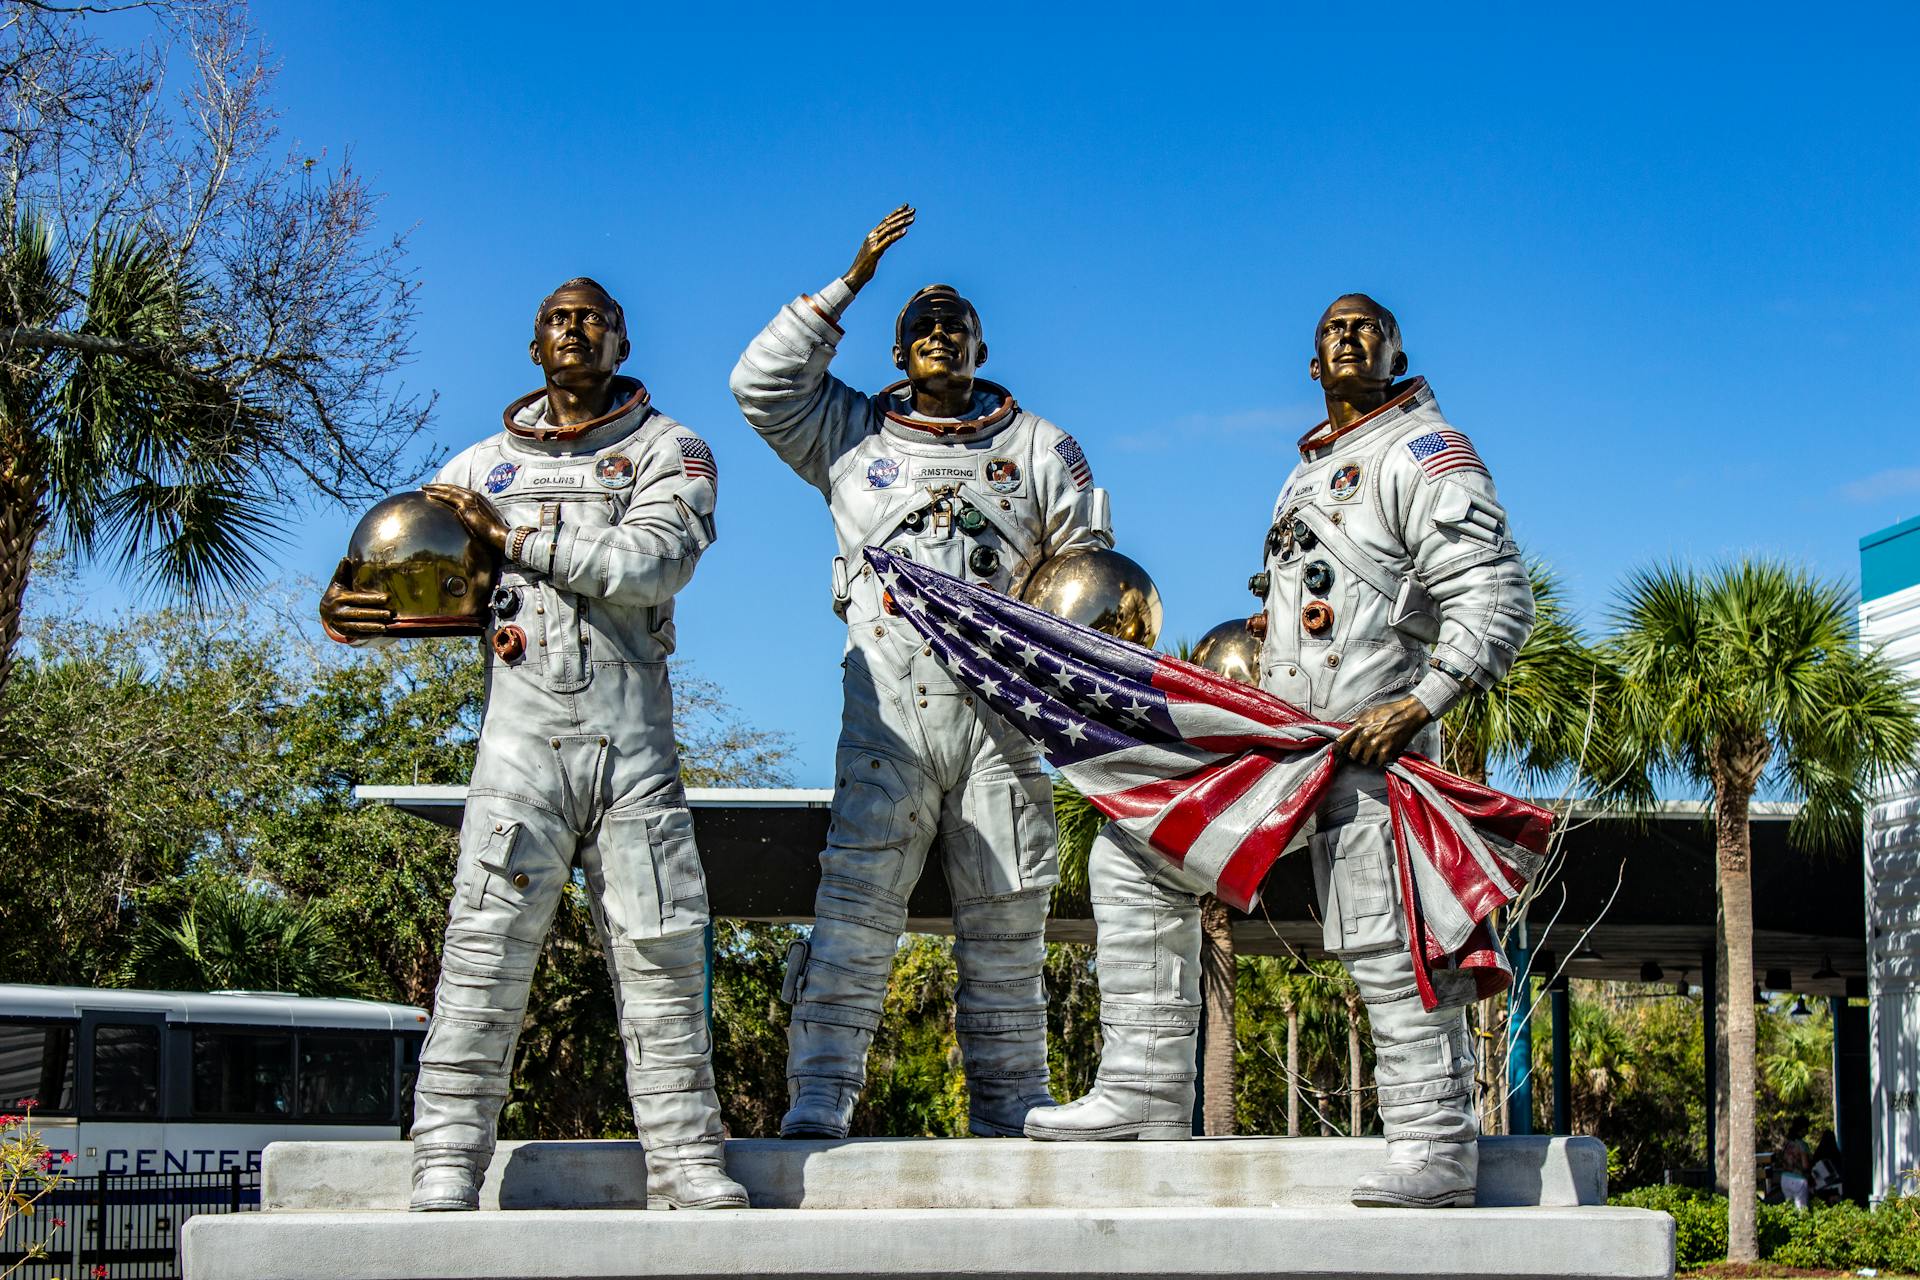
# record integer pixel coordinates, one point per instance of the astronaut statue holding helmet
(592, 507)
(947, 469)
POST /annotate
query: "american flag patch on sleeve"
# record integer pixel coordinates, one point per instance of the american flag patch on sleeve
(696, 459)
(1439, 452)
(1069, 451)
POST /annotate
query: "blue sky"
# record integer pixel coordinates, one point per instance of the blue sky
(1661, 265)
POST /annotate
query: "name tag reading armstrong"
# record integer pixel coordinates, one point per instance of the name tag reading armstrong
(944, 473)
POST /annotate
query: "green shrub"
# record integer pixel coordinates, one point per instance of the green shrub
(1699, 1221)
(1842, 1237)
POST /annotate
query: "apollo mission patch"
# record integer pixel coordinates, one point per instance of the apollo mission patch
(1345, 481)
(615, 471)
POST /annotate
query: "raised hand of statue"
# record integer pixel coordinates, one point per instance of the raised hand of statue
(351, 614)
(1381, 733)
(878, 241)
(480, 516)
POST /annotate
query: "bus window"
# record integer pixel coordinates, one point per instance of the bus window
(36, 1061)
(242, 1073)
(126, 1070)
(346, 1077)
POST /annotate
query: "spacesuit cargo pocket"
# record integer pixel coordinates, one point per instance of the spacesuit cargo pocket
(1358, 863)
(682, 880)
(795, 979)
(870, 804)
(1035, 835)
(1414, 612)
(630, 898)
(493, 861)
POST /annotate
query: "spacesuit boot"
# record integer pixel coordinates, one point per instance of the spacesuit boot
(1001, 1010)
(837, 985)
(1424, 1068)
(660, 986)
(465, 1065)
(1148, 932)
(447, 1178)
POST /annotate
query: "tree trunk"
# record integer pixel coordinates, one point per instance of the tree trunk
(1485, 1040)
(1735, 849)
(1353, 1063)
(22, 516)
(1216, 1005)
(1718, 1024)
(1293, 1068)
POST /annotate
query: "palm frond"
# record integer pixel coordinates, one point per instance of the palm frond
(151, 460)
(1079, 823)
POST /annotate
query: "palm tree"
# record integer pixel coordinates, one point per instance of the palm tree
(1745, 674)
(117, 431)
(1550, 713)
(235, 936)
(1553, 715)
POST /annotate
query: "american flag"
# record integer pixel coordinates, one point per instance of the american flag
(1219, 777)
(697, 459)
(1439, 452)
(1069, 451)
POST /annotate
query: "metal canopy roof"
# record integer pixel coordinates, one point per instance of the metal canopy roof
(761, 851)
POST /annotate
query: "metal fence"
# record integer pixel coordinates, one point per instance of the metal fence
(120, 1226)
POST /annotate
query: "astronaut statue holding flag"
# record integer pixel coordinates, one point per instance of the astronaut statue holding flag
(947, 469)
(1394, 589)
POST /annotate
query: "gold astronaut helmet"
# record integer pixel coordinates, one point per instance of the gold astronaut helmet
(1100, 589)
(438, 576)
(1230, 650)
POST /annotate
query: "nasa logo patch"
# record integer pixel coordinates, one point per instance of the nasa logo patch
(615, 471)
(1345, 481)
(501, 476)
(882, 472)
(1003, 475)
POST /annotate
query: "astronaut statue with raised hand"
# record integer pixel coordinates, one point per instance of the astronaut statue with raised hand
(596, 507)
(1392, 589)
(945, 468)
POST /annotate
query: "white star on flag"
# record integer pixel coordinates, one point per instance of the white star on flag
(1030, 709)
(1073, 732)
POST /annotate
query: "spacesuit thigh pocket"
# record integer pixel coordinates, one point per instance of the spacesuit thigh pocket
(1006, 841)
(492, 868)
(874, 812)
(682, 880)
(1359, 866)
(628, 878)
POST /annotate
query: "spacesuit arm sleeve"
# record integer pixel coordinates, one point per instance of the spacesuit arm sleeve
(1075, 511)
(650, 554)
(1464, 555)
(809, 416)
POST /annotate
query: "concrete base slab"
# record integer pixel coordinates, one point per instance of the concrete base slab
(953, 1174)
(1168, 1244)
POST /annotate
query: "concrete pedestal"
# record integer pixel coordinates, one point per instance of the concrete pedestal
(887, 1207)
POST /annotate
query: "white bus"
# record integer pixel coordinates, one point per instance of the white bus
(169, 1082)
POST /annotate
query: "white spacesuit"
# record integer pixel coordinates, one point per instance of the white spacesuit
(988, 496)
(1391, 571)
(577, 761)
